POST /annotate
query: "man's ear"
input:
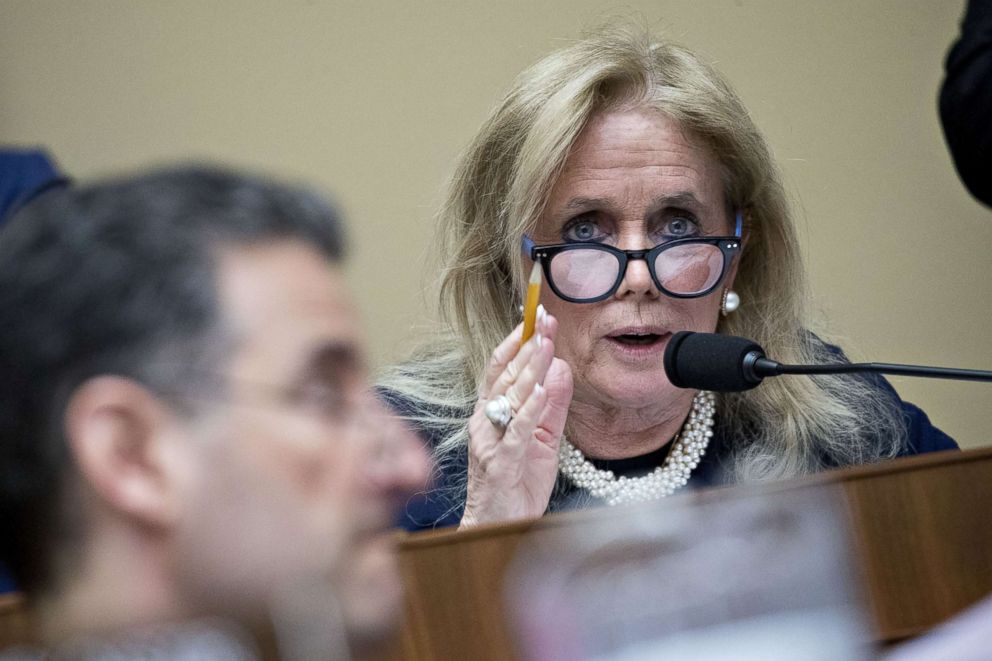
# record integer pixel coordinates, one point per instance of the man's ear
(120, 435)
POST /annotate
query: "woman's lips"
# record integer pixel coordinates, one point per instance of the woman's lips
(638, 344)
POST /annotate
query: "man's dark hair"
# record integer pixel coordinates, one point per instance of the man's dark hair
(117, 278)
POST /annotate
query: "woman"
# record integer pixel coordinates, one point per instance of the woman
(631, 170)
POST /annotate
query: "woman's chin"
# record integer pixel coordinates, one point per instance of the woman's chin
(623, 389)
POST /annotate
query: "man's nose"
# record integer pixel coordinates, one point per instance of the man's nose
(399, 464)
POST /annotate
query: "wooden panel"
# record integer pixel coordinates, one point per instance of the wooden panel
(14, 624)
(920, 526)
(455, 593)
(924, 531)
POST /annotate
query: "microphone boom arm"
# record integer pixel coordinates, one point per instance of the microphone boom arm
(766, 367)
(725, 363)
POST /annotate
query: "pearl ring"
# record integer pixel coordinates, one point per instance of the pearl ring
(499, 412)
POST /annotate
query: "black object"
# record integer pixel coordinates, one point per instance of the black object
(966, 100)
(726, 363)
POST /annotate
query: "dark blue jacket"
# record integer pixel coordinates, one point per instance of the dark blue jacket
(24, 175)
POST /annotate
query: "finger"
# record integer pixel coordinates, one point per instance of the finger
(522, 382)
(559, 387)
(485, 437)
(508, 383)
(516, 367)
(533, 373)
(521, 428)
(548, 326)
(500, 358)
(502, 373)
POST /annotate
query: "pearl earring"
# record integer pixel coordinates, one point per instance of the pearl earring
(731, 301)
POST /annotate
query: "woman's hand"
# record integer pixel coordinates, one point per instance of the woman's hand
(511, 472)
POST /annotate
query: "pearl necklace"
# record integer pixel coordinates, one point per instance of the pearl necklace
(673, 474)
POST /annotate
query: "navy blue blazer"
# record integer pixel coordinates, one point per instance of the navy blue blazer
(24, 175)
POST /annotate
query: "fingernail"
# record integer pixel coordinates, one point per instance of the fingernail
(541, 314)
(538, 389)
(538, 338)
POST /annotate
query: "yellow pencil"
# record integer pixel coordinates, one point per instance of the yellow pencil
(533, 297)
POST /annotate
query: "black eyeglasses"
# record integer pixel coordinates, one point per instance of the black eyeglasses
(590, 272)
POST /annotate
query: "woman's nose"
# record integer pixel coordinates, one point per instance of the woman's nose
(637, 281)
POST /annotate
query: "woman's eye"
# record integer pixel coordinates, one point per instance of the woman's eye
(680, 227)
(583, 230)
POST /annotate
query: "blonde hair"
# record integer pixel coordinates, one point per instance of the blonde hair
(788, 426)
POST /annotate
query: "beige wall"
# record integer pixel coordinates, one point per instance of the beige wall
(373, 100)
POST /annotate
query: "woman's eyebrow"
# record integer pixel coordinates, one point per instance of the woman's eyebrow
(577, 203)
(685, 199)
(681, 198)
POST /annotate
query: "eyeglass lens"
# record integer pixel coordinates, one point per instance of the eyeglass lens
(584, 273)
(683, 269)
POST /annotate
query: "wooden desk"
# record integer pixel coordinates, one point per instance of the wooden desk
(922, 530)
(14, 624)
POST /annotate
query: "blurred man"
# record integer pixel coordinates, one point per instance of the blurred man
(186, 429)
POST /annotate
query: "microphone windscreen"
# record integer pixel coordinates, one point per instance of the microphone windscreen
(709, 361)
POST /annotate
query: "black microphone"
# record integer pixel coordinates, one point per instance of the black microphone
(726, 363)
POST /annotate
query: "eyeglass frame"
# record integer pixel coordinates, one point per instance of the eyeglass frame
(729, 246)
